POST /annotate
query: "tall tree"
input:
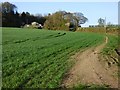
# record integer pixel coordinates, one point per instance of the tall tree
(7, 7)
(101, 22)
(65, 19)
(56, 22)
(8, 14)
(23, 18)
(80, 18)
(17, 21)
(76, 18)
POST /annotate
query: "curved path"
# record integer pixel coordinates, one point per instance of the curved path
(88, 69)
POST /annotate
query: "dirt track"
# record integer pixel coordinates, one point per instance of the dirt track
(88, 69)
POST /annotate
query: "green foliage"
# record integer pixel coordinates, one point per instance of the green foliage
(40, 58)
(56, 22)
(11, 18)
(62, 20)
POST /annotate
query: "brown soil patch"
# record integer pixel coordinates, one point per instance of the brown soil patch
(89, 69)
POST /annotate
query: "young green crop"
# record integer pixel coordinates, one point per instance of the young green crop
(40, 58)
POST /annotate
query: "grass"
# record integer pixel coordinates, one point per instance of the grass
(90, 87)
(110, 49)
(35, 58)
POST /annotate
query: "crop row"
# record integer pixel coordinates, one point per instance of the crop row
(43, 59)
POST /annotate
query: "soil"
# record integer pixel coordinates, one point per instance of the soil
(89, 69)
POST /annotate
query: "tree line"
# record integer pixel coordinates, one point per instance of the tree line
(60, 20)
(11, 18)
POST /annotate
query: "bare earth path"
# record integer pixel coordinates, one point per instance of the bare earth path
(89, 70)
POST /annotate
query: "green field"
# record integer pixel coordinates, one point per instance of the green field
(40, 58)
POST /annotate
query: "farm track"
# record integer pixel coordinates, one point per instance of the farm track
(88, 69)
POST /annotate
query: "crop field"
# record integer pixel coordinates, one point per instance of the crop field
(40, 58)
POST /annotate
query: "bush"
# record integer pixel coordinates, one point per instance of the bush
(99, 29)
(56, 22)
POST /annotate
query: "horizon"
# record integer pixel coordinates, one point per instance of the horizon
(92, 10)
